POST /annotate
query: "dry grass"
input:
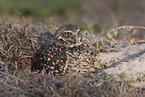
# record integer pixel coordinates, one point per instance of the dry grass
(17, 44)
(132, 33)
(42, 85)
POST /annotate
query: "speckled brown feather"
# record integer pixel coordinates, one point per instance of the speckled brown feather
(66, 54)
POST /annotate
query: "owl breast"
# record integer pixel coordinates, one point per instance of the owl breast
(78, 60)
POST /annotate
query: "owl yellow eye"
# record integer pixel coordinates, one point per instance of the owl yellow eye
(67, 32)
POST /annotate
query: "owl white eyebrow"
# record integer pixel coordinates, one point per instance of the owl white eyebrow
(68, 31)
(64, 31)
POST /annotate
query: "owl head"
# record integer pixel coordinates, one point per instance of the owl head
(68, 35)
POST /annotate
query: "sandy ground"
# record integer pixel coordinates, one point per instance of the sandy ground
(129, 61)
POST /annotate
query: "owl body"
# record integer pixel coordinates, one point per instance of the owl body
(66, 55)
(78, 60)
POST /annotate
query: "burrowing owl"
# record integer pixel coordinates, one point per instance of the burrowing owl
(66, 54)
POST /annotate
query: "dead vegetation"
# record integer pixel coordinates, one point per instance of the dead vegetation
(17, 44)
